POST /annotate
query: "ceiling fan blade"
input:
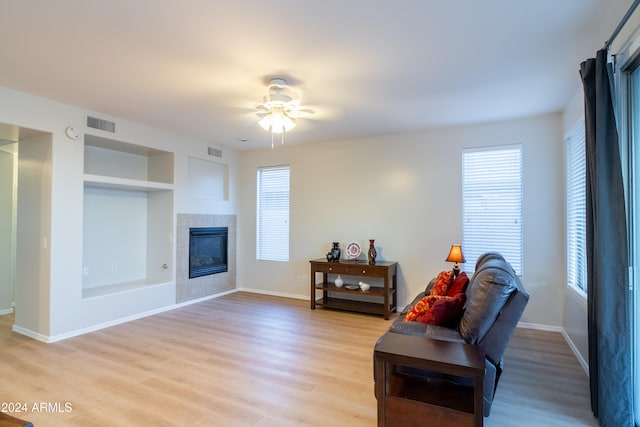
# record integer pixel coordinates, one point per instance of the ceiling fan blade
(316, 112)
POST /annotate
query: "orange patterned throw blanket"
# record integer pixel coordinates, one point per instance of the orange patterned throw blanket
(443, 305)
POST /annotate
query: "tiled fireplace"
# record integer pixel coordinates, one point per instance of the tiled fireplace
(198, 287)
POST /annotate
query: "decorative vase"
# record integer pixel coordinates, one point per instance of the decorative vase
(372, 254)
(334, 255)
(339, 282)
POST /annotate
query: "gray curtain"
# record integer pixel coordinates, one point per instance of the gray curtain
(610, 367)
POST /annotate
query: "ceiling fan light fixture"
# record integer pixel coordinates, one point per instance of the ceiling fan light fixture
(279, 109)
(265, 123)
(277, 121)
(288, 123)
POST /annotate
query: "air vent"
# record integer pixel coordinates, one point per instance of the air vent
(105, 125)
(215, 152)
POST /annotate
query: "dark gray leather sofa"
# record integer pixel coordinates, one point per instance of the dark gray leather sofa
(495, 301)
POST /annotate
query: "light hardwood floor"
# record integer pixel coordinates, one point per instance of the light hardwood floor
(253, 360)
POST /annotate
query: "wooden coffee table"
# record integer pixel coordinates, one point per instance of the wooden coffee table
(407, 399)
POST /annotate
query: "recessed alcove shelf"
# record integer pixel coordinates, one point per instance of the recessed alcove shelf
(127, 217)
(100, 181)
(115, 159)
(118, 287)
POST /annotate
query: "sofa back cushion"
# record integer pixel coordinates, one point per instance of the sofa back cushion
(488, 256)
(489, 289)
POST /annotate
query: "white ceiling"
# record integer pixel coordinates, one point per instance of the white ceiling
(368, 67)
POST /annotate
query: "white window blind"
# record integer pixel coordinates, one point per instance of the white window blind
(576, 208)
(272, 225)
(492, 204)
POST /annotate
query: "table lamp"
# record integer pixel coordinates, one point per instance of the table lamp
(455, 256)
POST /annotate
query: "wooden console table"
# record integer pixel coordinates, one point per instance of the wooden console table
(380, 300)
(406, 399)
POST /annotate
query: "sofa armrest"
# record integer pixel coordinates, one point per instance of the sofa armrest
(410, 373)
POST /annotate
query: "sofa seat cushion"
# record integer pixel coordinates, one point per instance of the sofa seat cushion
(442, 333)
(437, 332)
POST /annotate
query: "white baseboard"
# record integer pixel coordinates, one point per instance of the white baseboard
(77, 332)
(6, 311)
(572, 346)
(31, 334)
(274, 294)
(540, 327)
(574, 349)
(197, 300)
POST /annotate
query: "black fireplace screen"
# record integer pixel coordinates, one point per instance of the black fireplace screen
(207, 251)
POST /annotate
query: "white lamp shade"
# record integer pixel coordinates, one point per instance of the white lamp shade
(277, 122)
(265, 123)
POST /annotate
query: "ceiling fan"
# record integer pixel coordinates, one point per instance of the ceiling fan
(280, 108)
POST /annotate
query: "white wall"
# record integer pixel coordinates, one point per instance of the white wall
(62, 307)
(115, 230)
(405, 191)
(33, 236)
(7, 229)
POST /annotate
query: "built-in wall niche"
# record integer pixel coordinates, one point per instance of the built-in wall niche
(208, 180)
(116, 161)
(127, 217)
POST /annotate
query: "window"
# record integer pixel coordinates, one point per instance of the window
(272, 224)
(576, 209)
(492, 204)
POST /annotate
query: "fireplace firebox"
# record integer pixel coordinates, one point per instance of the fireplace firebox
(207, 251)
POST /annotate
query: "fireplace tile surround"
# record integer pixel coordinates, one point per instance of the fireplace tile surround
(199, 287)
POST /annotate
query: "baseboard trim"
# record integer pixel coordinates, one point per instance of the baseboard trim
(197, 300)
(540, 327)
(574, 349)
(6, 311)
(55, 338)
(560, 329)
(274, 294)
(29, 333)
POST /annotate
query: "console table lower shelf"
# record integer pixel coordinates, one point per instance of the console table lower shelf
(379, 300)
